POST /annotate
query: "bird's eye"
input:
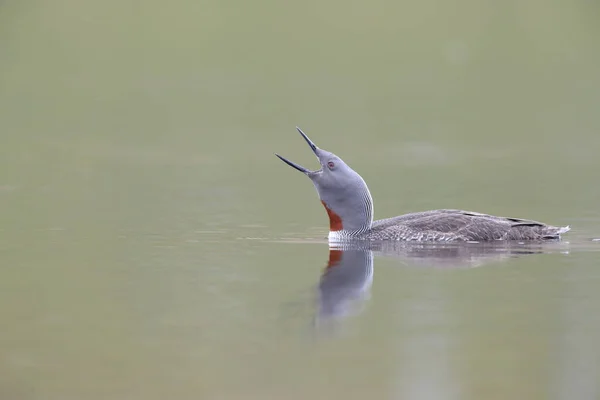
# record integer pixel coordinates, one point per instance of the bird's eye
(330, 164)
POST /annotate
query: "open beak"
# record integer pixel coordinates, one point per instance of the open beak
(297, 166)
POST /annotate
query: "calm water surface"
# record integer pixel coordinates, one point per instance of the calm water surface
(152, 246)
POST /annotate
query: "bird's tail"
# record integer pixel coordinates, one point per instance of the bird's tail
(554, 232)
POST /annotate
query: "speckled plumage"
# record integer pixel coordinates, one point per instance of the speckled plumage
(459, 225)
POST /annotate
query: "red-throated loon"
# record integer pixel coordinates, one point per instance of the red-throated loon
(349, 205)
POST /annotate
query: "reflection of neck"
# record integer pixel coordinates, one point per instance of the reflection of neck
(335, 256)
(350, 270)
(346, 280)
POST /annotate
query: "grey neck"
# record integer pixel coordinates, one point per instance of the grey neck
(360, 219)
(354, 206)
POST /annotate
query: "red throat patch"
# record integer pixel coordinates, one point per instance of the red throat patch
(335, 221)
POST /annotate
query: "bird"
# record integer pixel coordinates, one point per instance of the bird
(349, 206)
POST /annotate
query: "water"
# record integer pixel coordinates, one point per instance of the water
(152, 246)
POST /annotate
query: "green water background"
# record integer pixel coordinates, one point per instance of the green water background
(153, 247)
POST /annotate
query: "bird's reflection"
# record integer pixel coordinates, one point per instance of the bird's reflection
(346, 281)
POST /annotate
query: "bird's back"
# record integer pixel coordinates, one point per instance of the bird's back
(459, 225)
